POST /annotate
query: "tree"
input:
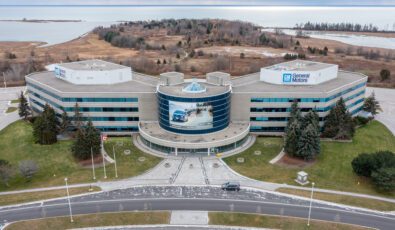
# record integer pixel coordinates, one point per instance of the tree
(242, 55)
(44, 127)
(364, 164)
(311, 118)
(65, 122)
(292, 138)
(372, 105)
(385, 74)
(384, 179)
(6, 172)
(339, 124)
(77, 117)
(24, 108)
(294, 113)
(307, 144)
(28, 168)
(87, 138)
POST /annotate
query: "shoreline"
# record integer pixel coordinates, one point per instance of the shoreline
(38, 20)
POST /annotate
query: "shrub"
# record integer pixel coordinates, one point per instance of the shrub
(384, 179)
(28, 168)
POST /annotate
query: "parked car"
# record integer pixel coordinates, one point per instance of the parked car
(180, 115)
(231, 186)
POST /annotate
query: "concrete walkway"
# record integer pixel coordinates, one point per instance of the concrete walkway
(386, 98)
(189, 218)
(6, 95)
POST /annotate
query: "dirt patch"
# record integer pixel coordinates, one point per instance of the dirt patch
(292, 162)
(97, 160)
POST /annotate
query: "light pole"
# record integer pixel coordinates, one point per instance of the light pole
(104, 166)
(68, 198)
(5, 82)
(115, 161)
(311, 202)
(93, 166)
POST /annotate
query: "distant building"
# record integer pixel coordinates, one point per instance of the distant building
(175, 115)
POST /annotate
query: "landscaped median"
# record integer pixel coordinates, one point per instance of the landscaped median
(25, 197)
(331, 170)
(55, 162)
(92, 220)
(275, 222)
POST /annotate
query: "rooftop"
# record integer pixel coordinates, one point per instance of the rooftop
(251, 84)
(140, 84)
(178, 90)
(94, 65)
(299, 65)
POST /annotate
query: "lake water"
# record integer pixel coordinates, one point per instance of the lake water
(92, 16)
(351, 39)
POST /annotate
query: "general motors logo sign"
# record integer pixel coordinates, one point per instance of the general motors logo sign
(287, 77)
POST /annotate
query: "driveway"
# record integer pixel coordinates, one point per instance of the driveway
(386, 97)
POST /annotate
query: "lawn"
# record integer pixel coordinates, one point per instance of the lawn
(92, 220)
(274, 222)
(343, 199)
(15, 101)
(56, 161)
(43, 195)
(11, 109)
(332, 169)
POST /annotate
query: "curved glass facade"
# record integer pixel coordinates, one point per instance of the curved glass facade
(194, 115)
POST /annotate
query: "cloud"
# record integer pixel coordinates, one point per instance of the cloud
(199, 2)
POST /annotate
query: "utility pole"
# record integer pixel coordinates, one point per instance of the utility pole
(115, 161)
(311, 202)
(93, 166)
(68, 198)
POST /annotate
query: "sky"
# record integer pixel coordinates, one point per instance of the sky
(202, 2)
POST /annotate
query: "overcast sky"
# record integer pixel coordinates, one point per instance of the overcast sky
(199, 2)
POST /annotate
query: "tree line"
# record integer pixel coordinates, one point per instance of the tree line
(343, 26)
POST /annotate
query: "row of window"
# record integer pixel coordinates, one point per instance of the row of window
(86, 109)
(282, 129)
(91, 118)
(275, 119)
(309, 99)
(317, 109)
(82, 99)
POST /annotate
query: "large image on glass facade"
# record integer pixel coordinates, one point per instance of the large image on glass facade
(191, 115)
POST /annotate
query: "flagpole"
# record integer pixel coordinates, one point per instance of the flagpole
(93, 166)
(104, 165)
(115, 161)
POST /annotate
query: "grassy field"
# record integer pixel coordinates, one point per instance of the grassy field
(276, 222)
(56, 161)
(11, 109)
(342, 199)
(91, 220)
(43, 195)
(15, 101)
(332, 169)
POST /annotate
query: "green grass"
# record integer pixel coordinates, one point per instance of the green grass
(56, 161)
(11, 109)
(343, 199)
(93, 220)
(332, 170)
(15, 101)
(43, 195)
(274, 222)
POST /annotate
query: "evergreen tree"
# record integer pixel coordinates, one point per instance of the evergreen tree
(311, 118)
(24, 109)
(307, 145)
(64, 122)
(339, 124)
(77, 117)
(295, 113)
(44, 127)
(292, 138)
(87, 138)
(372, 105)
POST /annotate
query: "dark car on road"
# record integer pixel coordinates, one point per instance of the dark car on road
(180, 115)
(231, 186)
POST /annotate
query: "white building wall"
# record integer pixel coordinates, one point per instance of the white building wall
(92, 77)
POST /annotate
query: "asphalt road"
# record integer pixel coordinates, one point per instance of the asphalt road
(197, 198)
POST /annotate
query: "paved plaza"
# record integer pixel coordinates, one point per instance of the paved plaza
(386, 97)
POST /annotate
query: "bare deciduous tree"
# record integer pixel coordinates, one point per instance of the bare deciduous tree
(28, 168)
